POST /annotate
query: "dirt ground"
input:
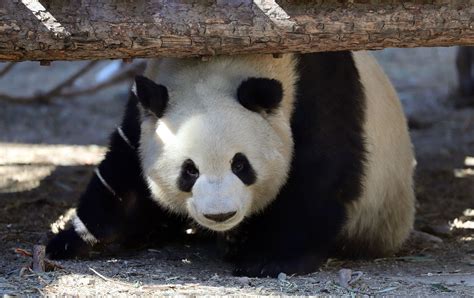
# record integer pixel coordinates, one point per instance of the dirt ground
(48, 152)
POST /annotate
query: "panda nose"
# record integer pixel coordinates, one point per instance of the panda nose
(220, 217)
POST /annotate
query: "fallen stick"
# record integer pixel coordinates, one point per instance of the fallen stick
(39, 253)
(100, 275)
(48, 264)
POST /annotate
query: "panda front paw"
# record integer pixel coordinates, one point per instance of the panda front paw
(300, 265)
(67, 245)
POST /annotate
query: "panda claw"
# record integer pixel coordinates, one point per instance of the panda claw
(66, 245)
(299, 266)
(251, 269)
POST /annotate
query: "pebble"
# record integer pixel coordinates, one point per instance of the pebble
(244, 280)
(423, 237)
(443, 230)
(281, 276)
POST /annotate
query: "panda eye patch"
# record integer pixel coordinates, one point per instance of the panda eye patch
(190, 168)
(241, 167)
(260, 94)
(188, 176)
(237, 167)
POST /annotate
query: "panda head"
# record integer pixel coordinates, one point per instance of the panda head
(215, 141)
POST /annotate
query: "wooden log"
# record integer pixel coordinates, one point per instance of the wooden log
(99, 29)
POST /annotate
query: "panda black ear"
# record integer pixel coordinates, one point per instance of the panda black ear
(153, 97)
(260, 94)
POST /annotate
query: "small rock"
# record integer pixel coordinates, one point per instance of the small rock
(422, 237)
(244, 280)
(443, 230)
(281, 276)
(344, 277)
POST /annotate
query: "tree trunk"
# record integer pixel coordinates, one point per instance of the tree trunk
(99, 29)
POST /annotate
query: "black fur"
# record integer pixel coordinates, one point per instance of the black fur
(465, 70)
(242, 168)
(188, 176)
(299, 229)
(153, 97)
(260, 94)
(131, 213)
(465, 65)
(67, 244)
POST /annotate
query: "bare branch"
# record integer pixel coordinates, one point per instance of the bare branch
(7, 68)
(60, 90)
(120, 77)
(69, 81)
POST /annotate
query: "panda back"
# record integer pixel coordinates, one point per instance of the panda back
(381, 219)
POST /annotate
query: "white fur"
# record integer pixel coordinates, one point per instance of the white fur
(83, 232)
(215, 195)
(383, 217)
(205, 123)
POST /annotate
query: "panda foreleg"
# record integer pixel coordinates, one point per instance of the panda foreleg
(67, 244)
(123, 214)
(296, 236)
(97, 221)
(116, 201)
(116, 206)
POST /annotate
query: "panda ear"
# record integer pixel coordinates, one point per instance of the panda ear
(153, 97)
(260, 94)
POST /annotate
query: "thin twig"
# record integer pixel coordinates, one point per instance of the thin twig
(23, 252)
(59, 90)
(7, 68)
(18, 99)
(127, 73)
(41, 292)
(100, 275)
(69, 81)
(55, 91)
(48, 264)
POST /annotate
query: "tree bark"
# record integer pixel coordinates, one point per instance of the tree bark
(98, 29)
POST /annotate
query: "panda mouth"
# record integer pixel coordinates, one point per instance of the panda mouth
(221, 226)
(218, 226)
(216, 222)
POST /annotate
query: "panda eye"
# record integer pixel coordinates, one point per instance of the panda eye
(192, 172)
(190, 169)
(188, 176)
(237, 166)
(242, 168)
(238, 163)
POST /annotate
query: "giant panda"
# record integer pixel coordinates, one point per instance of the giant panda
(288, 160)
